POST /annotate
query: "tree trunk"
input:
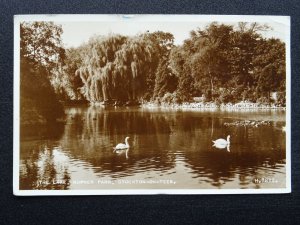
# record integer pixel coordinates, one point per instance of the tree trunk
(104, 91)
(211, 85)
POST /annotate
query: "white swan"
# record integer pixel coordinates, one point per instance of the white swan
(122, 146)
(222, 143)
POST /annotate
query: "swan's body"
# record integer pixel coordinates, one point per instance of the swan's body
(222, 143)
(122, 146)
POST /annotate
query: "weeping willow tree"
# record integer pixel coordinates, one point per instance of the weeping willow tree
(119, 68)
(114, 67)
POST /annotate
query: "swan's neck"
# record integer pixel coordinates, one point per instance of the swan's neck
(126, 142)
(228, 139)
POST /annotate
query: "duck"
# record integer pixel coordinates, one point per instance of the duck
(122, 146)
(222, 143)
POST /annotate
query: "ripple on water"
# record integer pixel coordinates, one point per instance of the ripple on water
(187, 151)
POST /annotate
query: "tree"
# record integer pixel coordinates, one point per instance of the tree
(244, 41)
(38, 100)
(121, 68)
(269, 67)
(165, 81)
(268, 80)
(161, 43)
(222, 62)
(41, 53)
(208, 61)
(41, 43)
(226, 63)
(68, 83)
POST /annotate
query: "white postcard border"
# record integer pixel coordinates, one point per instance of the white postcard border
(285, 20)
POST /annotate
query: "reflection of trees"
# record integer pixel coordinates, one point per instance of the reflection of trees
(42, 171)
(218, 167)
(91, 135)
(159, 141)
(49, 131)
(193, 133)
(29, 172)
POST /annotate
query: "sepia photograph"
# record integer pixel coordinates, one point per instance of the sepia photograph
(151, 104)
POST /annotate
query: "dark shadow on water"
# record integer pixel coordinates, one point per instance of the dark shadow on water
(45, 131)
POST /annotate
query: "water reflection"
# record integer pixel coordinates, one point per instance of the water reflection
(45, 170)
(169, 144)
(122, 152)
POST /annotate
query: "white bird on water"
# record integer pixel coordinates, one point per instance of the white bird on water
(222, 143)
(122, 146)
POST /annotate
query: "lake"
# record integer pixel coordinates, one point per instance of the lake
(169, 149)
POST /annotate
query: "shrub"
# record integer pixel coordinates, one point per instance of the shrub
(281, 98)
(171, 98)
(263, 100)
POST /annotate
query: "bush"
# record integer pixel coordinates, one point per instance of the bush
(263, 100)
(223, 95)
(171, 98)
(281, 98)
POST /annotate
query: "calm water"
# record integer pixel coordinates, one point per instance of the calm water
(169, 149)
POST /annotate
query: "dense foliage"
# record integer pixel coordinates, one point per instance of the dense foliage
(221, 63)
(41, 54)
(39, 102)
(228, 65)
(120, 68)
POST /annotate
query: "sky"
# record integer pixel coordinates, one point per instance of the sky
(77, 32)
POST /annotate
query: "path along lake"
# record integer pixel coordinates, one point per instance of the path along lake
(169, 149)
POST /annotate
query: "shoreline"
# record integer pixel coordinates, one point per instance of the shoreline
(187, 106)
(214, 106)
(194, 105)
